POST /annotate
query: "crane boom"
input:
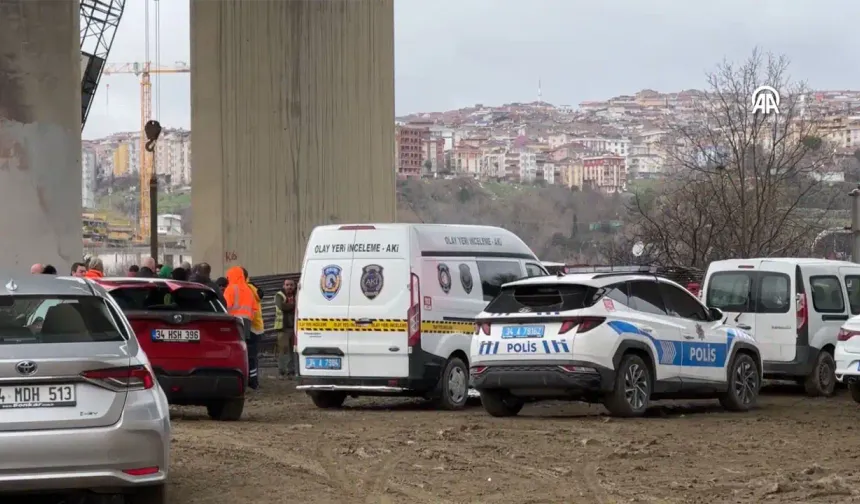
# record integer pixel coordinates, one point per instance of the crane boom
(145, 165)
(99, 21)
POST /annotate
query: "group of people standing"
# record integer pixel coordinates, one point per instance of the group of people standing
(241, 298)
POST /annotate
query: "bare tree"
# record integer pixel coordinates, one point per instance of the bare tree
(738, 179)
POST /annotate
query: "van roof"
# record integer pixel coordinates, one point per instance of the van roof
(452, 237)
(800, 261)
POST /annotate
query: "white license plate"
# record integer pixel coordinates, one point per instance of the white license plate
(180, 335)
(38, 396)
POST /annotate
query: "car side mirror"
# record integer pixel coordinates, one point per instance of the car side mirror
(716, 313)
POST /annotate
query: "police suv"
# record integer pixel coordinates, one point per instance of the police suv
(623, 338)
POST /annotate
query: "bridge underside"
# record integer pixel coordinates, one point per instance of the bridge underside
(292, 123)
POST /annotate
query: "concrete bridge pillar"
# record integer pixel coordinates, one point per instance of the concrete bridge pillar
(40, 134)
(292, 122)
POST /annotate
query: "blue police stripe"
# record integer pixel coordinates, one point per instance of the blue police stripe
(682, 353)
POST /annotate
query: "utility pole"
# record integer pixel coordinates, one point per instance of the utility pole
(855, 223)
(153, 131)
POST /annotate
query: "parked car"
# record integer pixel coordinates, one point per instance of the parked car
(617, 338)
(196, 348)
(79, 405)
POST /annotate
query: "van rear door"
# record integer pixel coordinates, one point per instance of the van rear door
(379, 300)
(322, 326)
(826, 304)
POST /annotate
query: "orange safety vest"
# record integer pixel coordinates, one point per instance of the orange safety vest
(240, 301)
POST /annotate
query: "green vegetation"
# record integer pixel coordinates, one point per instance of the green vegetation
(174, 202)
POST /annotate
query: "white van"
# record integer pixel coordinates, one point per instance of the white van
(794, 309)
(389, 309)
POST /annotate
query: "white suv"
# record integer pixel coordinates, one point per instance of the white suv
(622, 339)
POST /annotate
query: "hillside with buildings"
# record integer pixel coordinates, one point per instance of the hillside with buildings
(549, 173)
(559, 224)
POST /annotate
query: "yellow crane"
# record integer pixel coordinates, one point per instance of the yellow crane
(145, 165)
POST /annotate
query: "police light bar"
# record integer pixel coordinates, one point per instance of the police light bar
(613, 269)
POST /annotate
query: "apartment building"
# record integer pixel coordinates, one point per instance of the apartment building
(606, 173)
(173, 157)
(493, 163)
(409, 140)
(89, 173)
(466, 159)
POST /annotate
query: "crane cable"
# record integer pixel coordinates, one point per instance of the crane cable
(157, 58)
(152, 128)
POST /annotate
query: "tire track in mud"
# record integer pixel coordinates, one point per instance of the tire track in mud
(300, 466)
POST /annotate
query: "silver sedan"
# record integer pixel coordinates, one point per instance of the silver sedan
(79, 406)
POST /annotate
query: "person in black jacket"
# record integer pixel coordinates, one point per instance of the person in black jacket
(200, 273)
(148, 269)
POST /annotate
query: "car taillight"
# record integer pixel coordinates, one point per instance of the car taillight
(482, 328)
(585, 324)
(131, 378)
(413, 315)
(802, 312)
(845, 334)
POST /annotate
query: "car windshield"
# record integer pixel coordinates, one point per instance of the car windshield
(56, 319)
(162, 298)
(542, 297)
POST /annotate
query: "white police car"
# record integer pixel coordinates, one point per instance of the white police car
(620, 338)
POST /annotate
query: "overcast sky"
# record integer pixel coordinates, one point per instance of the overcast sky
(455, 53)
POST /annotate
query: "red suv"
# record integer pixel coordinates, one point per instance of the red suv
(196, 348)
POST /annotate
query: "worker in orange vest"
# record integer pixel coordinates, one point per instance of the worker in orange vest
(242, 303)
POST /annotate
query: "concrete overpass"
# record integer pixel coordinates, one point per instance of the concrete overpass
(292, 120)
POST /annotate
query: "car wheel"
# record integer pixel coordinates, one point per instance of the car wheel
(500, 403)
(631, 394)
(822, 380)
(327, 399)
(147, 495)
(452, 392)
(228, 410)
(854, 388)
(743, 384)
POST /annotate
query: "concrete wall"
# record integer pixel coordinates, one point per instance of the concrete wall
(40, 134)
(292, 122)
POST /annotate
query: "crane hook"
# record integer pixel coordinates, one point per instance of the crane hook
(152, 129)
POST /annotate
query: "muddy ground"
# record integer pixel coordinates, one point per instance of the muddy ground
(791, 449)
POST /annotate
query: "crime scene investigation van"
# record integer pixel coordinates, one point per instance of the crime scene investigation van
(389, 309)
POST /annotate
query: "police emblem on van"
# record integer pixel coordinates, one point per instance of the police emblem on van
(372, 280)
(466, 278)
(444, 277)
(700, 332)
(330, 281)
